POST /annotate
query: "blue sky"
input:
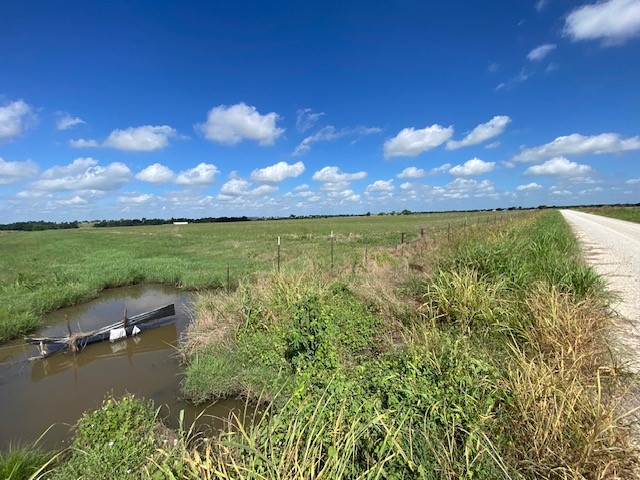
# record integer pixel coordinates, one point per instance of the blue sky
(159, 109)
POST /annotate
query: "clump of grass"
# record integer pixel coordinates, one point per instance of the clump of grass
(466, 298)
(300, 446)
(22, 463)
(113, 442)
(557, 384)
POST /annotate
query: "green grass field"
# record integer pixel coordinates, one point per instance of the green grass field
(631, 214)
(478, 352)
(44, 271)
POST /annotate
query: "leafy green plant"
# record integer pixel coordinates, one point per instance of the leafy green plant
(113, 442)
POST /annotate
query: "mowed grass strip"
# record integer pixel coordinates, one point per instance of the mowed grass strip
(44, 271)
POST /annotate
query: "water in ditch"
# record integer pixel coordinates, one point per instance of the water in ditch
(37, 394)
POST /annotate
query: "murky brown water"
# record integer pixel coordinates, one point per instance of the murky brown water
(56, 391)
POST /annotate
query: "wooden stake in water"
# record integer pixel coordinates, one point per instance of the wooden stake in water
(278, 254)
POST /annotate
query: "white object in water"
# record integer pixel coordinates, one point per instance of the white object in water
(117, 334)
(135, 330)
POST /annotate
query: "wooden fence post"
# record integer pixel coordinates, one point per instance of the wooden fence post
(331, 240)
(278, 254)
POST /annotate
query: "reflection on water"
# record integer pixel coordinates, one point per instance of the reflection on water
(58, 389)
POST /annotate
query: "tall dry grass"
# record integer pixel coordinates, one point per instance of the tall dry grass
(565, 421)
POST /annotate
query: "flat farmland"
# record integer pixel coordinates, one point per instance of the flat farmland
(628, 213)
(44, 271)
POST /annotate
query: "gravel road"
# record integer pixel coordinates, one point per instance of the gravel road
(612, 247)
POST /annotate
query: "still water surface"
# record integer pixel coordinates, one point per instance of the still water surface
(56, 391)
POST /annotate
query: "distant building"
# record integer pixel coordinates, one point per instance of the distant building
(181, 223)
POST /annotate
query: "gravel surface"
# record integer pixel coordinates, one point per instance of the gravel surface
(612, 247)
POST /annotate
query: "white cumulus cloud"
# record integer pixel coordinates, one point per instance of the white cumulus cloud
(411, 142)
(73, 201)
(237, 187)
(559, 166)
(576, 144)
(472, 167)
(141, 139)
(230, 125)
(156, 173)
(612, 21)
(15, 117)
(381, 186)
(134, 139)
(529, 186)
(82, 143)
(483, 132)
(15, 171)
(540, 52)
(79, 165)
(335, 175)
(441, 169)
(95, 177)
(202, 174)
(412, 172)
(137, 198)
(465, 188)
(277, 173)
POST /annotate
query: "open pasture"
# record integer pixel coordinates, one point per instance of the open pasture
(628, 213)
(44, 271)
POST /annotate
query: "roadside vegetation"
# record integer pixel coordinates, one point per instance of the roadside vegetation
(484, 356)
(477, 353)
(629, 213)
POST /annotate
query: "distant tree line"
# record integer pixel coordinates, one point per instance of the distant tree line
(159, 221)
(36, 226)
(42, 225)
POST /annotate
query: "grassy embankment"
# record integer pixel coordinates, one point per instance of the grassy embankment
(490, 361)
(482, 357)
(44, 271)
(631, 214)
